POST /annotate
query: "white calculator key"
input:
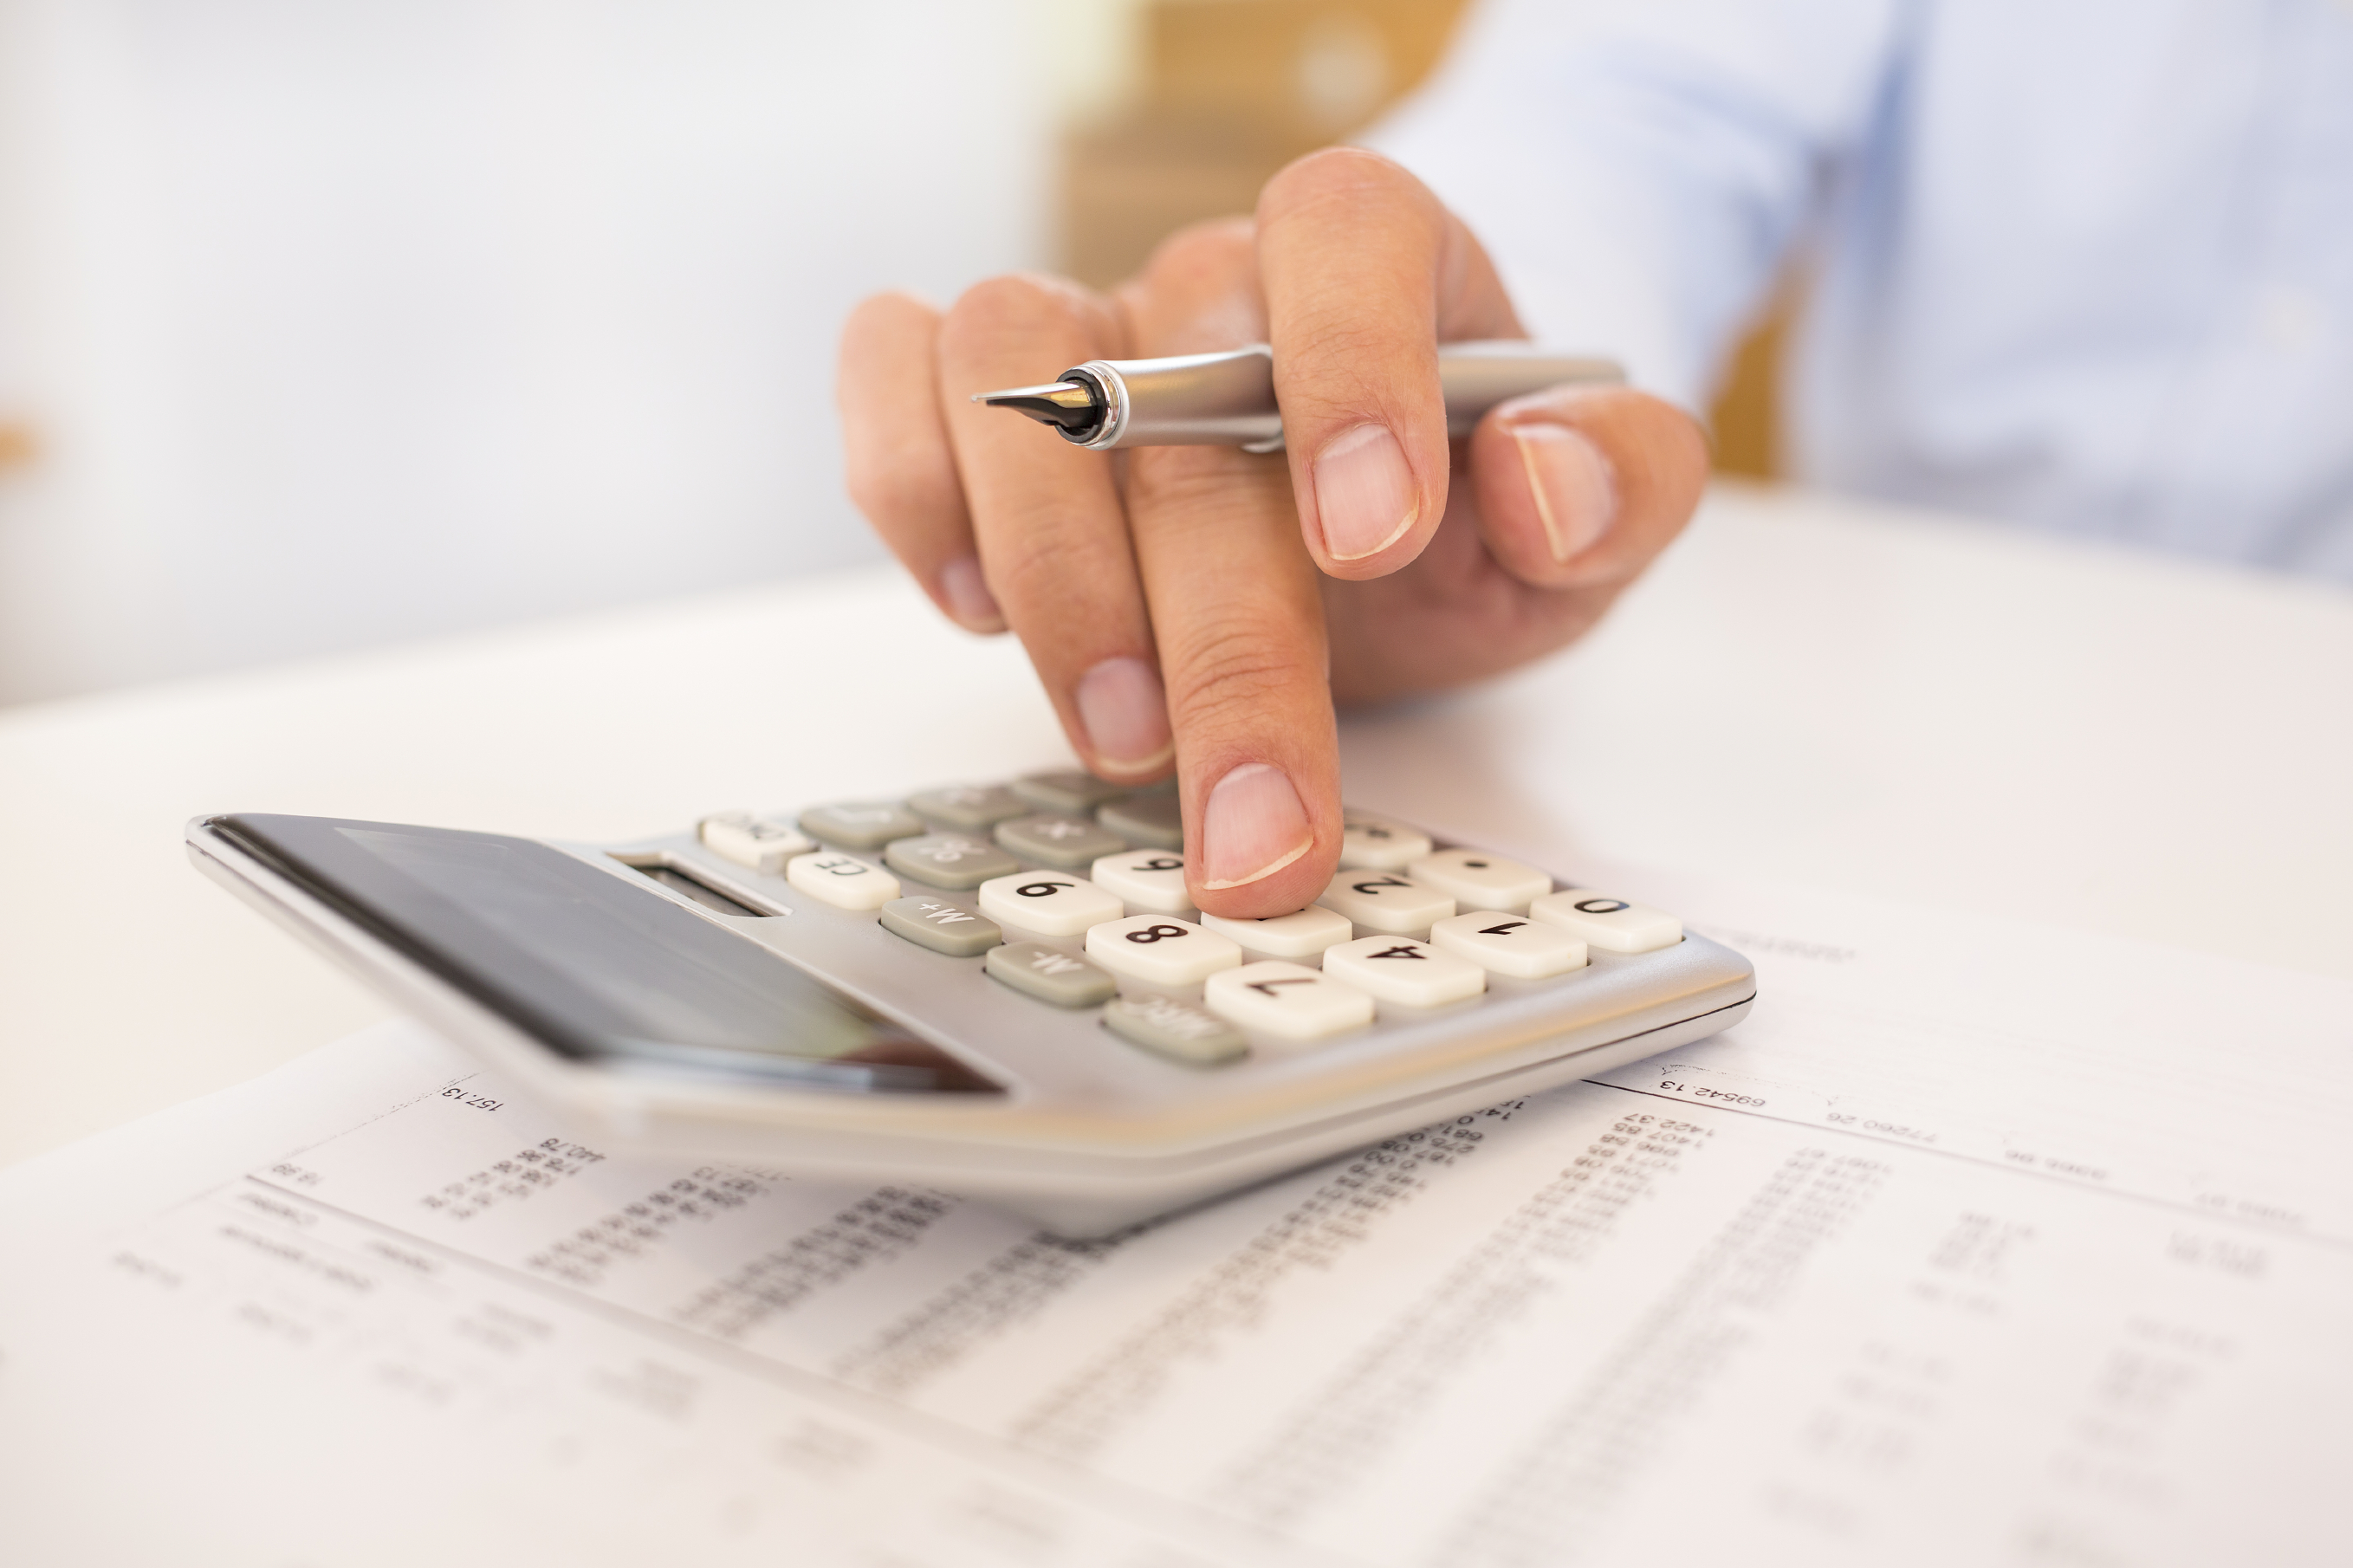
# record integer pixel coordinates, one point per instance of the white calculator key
(1517, 945)
(1397, 970)
(1377, 844)
(1054, 903)
(842, 880)
(1160, 950)
(1611, 924)
(1302, 934)
(1478, 880)
(762, 843)
(1288, 1000)
(1386, 901)
(1150, 879)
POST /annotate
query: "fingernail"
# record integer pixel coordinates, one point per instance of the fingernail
(1126, 714)
(1252, 827)
(969, 600)
(1364, 497)
(1576, 492)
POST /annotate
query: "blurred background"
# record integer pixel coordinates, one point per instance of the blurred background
(326, 323)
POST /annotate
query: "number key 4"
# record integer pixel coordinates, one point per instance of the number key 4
(1414, 974)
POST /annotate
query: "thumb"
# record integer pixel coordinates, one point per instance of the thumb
(1582, 486)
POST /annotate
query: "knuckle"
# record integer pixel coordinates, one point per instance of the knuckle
(1221, 248)
(896, 500)
(1169, 486)
(893, 310)
(1226, 672)
(1031, 565)
(1199, 290)
(1341, 178)
(1017, 303)
(1189, 502)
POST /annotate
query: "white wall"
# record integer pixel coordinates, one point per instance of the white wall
(345, 321)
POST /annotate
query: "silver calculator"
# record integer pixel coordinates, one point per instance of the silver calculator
(1000, 990)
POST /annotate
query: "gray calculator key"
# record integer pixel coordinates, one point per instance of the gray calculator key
(1168, 1028)
(1153, 821)
(976, 808)
(941, 926)
(1050, 975)
(1072, 843)
(948, 860)
(1066, 790)
(860, 825)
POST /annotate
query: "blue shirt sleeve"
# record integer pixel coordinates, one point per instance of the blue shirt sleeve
(1640, 168)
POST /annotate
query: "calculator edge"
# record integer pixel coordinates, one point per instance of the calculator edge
(1074, 1192)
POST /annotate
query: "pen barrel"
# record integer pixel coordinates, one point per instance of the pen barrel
(1191, 400)
(1228, 399)
(1477, 376)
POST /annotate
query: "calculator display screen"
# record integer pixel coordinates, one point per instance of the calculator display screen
(595, 964)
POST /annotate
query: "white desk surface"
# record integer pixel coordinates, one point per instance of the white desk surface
(1805, 689)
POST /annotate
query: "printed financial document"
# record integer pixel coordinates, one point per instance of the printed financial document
(1978, 1244)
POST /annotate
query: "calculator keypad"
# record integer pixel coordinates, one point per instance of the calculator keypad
(1150, 879)
(976, 808)
(860, 825)
(842, 880)
(1411, 973)
(1048, 902)
(1517, 945)
(1175, 1029)
(1155, 821)
(1066, 791)
(1289, 1001)
(1478, 880)
(948, 860)
(1370, 843)
(941, 926)
(1065, 857)
(1160, 950)
(1609, 924)
(1302, 934)
(1386, 901)
(762, 843)
(1072, 843)
(1050, 975)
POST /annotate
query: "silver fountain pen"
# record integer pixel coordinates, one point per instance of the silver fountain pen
(1228, 399)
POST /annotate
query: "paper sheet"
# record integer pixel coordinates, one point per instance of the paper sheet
(1978, 1244)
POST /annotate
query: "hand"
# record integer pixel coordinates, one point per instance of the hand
(1201, 607)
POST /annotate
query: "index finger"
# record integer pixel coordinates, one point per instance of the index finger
(1235, 613)
(1359, 263)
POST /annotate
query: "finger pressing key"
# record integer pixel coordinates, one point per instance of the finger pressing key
(1237, 615)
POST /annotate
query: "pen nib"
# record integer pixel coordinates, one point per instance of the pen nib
(1068, 405)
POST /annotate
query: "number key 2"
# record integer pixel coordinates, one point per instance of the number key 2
(1383, 901)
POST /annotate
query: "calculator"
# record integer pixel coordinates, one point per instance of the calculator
(999, 989)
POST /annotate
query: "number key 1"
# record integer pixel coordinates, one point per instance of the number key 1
(1509, 944)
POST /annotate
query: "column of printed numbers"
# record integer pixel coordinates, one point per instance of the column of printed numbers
(518, 1175)
(582, 1258)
